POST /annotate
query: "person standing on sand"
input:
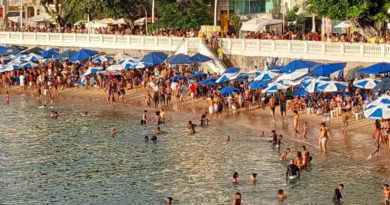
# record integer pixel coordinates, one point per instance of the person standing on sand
(323, 137)
(272, 106)
(378, 137)
(282, 104)
(296, 123)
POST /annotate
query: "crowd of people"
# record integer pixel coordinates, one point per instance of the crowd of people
(167, 84)
(350, 37)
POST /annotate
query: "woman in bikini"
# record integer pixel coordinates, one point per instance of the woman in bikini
(378, 137)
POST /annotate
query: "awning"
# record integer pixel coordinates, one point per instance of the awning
(257, 24)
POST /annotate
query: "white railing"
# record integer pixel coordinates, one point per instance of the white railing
(91, 41)
(311, 50)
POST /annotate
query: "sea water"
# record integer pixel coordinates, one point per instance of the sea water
(74, 160)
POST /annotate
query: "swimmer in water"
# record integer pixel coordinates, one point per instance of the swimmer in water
(305, 129)
(283, 156)
(113, 132)
(386, 194)
(253, 178)
(235, 178)
(146, 139)
(261, 134)
(154, 138)
(54, 115)
(163, 116)
(279, 141)
(144, 117)
(281, 195)
(292, 171)
(191, 127)
(159, 131)
(157, 118)
(237, 199)
(274, 138)
(168, 200)
(204, 122)
(337, 193)
(84, 114)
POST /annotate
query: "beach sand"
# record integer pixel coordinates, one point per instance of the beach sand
(356, 143)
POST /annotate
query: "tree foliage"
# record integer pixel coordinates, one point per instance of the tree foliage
(128, 9)
(235, 23)
(295, 20)
(368, 15)
(184, 15)
(62, 11)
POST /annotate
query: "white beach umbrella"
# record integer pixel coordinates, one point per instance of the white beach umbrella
(274, 87)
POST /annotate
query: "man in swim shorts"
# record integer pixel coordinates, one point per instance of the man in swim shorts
(272, 106)
(386, 194)
(292, 171)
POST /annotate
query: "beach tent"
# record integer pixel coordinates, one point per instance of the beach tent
(376, 69)
(41, 18)
(199, 58)
(343, 24)
(366, 83)
(67, 54)
(255, 85)
(257, 24)
(50, 53)
(197, 75)
(228, 90)
(83, 54)
(296, 65)
(179, 59)
(328, 69)
(383, 86)
(154, 58)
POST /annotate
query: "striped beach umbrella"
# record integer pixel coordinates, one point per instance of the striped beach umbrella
(331, 86)
(266, 75)
(366, 83)
(102, 59)
(378, 112)
(274, 87)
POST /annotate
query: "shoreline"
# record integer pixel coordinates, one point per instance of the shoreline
(355, 144)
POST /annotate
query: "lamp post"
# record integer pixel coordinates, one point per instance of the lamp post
(21, 15)
(215, 13)
(153, 11)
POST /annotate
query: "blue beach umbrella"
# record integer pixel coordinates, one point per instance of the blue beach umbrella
(10, 57)
(232, 70)
(383, 100)
(228, 90)
(331, 86)
(46, 60)
(137, 65)
(209, 81)
(199, 58)
(11, 67)
(379, 112)
(102, 59)
(327, 69)
(154, 58)
(67, 54)
(297, 64)
(376, 69)
(179, 59)
(129, 60)
(179, 77)
(33, 57)
(266, 75)
(2, 49)
(198, 75)
(50, 53)
(29, 65)
(255, 85)
(366, 83)
(83, 54)
(383, 86)
(300, 92)
(274, 87)
(224, 78)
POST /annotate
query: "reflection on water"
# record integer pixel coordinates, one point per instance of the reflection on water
(74, 160)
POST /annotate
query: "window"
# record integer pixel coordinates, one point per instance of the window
(250, 6)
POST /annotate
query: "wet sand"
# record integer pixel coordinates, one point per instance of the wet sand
(356, 143)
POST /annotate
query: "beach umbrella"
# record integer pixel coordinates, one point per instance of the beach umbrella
(83, 54)
(11, 67)
(116, 67)
(255, 85)
(224, 78)
(67, 54)
(228, 90)
(378, 112)
(137, 65)
(92, 70)
(179, 59)
(198, 75)
(232, 70)
(33, 57)
(199, 58)
(331, 86)
(179, 77)
(266, 75)
(366, 83)
(274, 87)
(294, 75)
(287, 82)
(102, 59)
(46, 60)
(300, 92)
(376, 69)
(209, 81)
(10, 57)
(129, 60)
(154, 58)
(296, 65)
(2, 49)
(13, 50)
(120, 56)
(50, 53)
(34, 50)
(29, 65)
(383, 100)
(383, 86)
(327, 69)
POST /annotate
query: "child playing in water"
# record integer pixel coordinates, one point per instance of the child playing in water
(261, 134)
(235, 178)
(281, 195)
(253, 178)
(113, 132)
(283, 156)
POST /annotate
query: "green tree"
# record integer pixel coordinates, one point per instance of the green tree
(184, 15)
(295, 20)
(368, 16)
(62, 11)
(235, 23)
(127, 9)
